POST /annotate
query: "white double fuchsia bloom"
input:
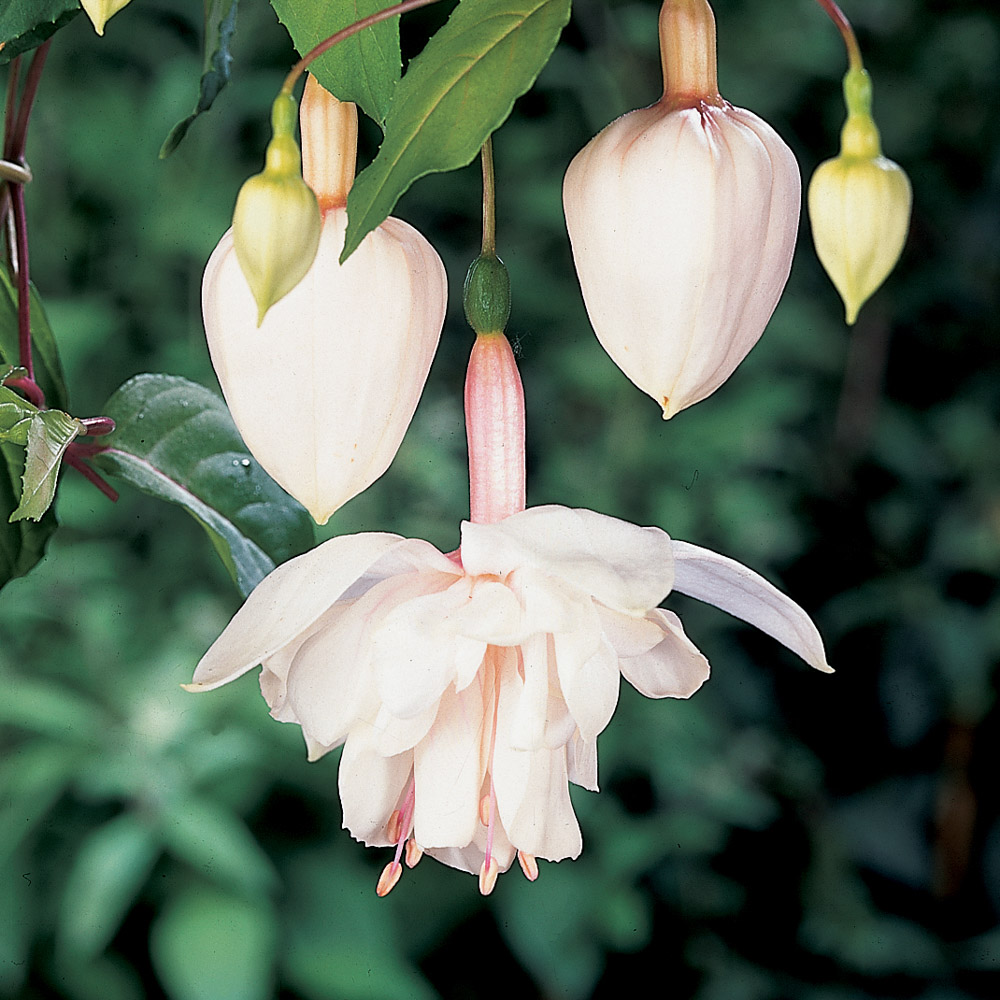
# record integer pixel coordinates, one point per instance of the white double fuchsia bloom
(469, 688)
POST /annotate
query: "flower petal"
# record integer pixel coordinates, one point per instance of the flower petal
(286, 603)
(543, 823)
(621, 564)
(415, 648)
(527, 729)
(674, 668)
(581, 762)
(448, 772)
(370, 786)
(732, 587)
(589, 675)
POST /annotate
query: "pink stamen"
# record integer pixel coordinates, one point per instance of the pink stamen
(528, 865)
(388, 879)
(398, 829)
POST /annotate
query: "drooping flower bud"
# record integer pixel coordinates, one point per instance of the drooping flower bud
(276, 222)
(101, 11)
(682, 217)
(859, 204)
(324, 389)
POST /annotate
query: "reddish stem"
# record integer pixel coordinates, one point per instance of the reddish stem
(23, 281)
(74, 458)
(352, 29)
(29, 388)
(9, 112)
(847, 32)
(15, 149)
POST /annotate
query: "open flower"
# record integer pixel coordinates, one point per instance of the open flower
(469, 689)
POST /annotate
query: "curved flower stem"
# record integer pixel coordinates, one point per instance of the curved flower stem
(844, 27)
(352, 29)
(489, 200)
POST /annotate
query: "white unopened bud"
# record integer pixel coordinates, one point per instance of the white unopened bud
(682, 218)
(324, 389)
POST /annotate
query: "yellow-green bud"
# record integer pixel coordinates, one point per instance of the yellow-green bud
(859, 204)
(276, 222)
(101, 11)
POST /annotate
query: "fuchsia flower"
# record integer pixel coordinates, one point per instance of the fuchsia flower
(469, 689)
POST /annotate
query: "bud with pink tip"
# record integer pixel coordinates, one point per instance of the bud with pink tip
(682, 218)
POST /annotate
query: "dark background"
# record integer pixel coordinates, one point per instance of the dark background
(782, 836)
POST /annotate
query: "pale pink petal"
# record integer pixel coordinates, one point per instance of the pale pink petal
(531, 696)
(398, 735)
(414, 649)
(448, 773)
(543, 822)
(492, 614)
(674, 668)
(732, 587)
(285, 603)
(370, 786)
(589, 678)
(624, 566)
(581, 762)
(629, 635)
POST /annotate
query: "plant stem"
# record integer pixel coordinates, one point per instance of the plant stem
(489, 200)
(15, 138)
(352, 29)
(16, 143)
(9, 112)
(23, 285)
(847, 32)
(72, 458)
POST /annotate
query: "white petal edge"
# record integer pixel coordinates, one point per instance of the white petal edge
(738, 590)
(285, 603)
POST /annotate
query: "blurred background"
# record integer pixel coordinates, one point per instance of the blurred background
(784, 835)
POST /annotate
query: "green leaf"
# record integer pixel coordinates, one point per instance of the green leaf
(212, 946)
(363, 68)
(16, 415)
(22, 543)
(176, 440)
(48, 368)
(49, 435)
(218, 844)
(27, 23)
(454, 95)
(110, 867)
(220, 25)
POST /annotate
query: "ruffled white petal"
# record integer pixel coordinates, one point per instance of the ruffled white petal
(732, 587)
(285, 603)
(624, 566)
(448, 773)
(674, 668)
(415, 649)
(589, 675)
(543, 822)
(581, 762)
(370, 786)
